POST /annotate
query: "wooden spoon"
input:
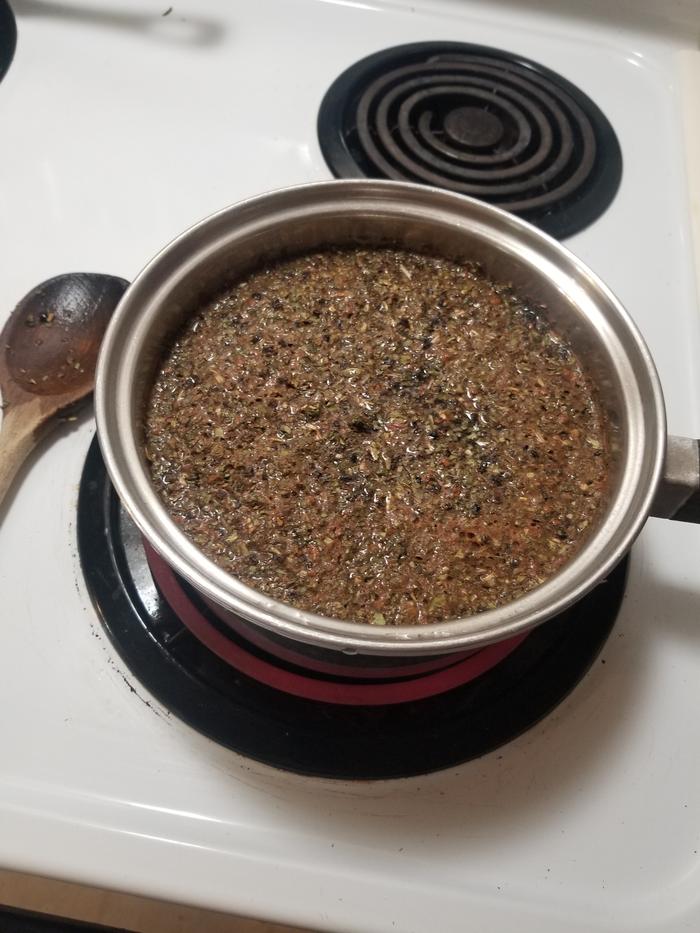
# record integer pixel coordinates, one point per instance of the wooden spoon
(48, 353)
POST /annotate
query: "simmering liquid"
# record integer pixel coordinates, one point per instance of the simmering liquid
(378, 436)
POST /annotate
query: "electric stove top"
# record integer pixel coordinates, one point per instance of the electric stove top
(122, 127)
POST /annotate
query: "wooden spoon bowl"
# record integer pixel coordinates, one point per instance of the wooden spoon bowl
(48, 354)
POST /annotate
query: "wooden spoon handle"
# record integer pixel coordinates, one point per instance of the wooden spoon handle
(19, 435)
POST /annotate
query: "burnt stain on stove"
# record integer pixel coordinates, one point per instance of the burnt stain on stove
(135, 692)
(98, 633)
(112, 663)
(165, 716)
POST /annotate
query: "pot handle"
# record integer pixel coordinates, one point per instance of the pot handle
(678, 495)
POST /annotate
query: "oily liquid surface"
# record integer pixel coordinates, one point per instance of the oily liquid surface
(377, 436)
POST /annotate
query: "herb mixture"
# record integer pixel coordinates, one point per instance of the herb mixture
(378, 436)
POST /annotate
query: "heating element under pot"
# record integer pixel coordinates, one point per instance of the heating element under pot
(291, 712)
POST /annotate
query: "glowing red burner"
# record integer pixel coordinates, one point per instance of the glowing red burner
(366, 669)
(425, 683)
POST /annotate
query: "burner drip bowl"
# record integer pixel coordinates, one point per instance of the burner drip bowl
(477, 121)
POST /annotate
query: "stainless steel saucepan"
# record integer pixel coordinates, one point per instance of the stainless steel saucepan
(651, 474)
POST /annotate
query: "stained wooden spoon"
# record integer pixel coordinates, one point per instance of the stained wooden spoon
(48, 353)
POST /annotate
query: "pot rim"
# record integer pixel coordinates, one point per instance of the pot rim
(118, 364)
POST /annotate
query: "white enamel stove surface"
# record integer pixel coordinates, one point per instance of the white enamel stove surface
(119, 130)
